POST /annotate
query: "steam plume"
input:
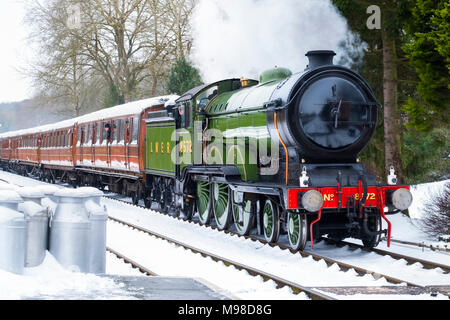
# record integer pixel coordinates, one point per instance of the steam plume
(234, 38)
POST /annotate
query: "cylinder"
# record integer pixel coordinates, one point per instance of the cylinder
(70, 231)
(97, 257)
(98, 217)
(13, 233)
(37, 232)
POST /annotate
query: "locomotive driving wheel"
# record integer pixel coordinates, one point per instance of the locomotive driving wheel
(271, 221)
(203, 202)
(297, 230)
(243, 214)
(221, 205)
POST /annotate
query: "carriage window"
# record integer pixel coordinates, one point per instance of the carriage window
(98, 133)
(89, 139)
(85, 134)
(127, 132)
(135, 130)
(106, 131)
(115, 129)
(122, 131)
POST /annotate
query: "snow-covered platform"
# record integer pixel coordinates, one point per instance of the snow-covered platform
(144, 288)
(171, 288)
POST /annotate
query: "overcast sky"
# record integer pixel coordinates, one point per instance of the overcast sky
(13, 85)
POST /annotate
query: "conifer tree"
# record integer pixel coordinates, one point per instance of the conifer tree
(183, 77)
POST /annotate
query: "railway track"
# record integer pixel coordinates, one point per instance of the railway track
(328, 261)
(426, 264)
(296, 289)
(421, 245)
(342, 266)
(315, 293)
(134, 264)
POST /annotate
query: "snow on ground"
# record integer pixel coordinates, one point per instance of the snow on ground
(168, 260)
(51, 281)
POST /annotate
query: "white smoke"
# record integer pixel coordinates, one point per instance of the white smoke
(235, 38)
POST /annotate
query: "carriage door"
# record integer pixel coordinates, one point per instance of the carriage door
(38, 147)
(127, 140)
(107, 136)
(122, 147)
(80, 141)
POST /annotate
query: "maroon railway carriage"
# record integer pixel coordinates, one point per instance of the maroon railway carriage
(102, 149)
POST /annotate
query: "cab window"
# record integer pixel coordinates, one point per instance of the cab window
(184, 112)
(205, 97)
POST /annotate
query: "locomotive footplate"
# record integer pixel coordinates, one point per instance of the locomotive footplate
(338, 198)
(359, 199)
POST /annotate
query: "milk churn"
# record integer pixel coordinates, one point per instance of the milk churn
(37, 225)
(98, 217)
(70, 231)
(13, 233)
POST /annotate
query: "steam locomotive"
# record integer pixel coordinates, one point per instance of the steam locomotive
(274, 156)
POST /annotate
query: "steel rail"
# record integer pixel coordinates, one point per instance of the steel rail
(411, 260)
(133, 263)
(420, 245)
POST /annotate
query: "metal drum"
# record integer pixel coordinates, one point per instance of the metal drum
(13, 233)
(37, 225)
(98, 217)
(70, 231)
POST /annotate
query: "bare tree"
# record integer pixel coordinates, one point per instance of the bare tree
(436, 219)
(130, 44)
(60, 71)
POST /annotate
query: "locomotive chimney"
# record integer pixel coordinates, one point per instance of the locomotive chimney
(320, 58)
